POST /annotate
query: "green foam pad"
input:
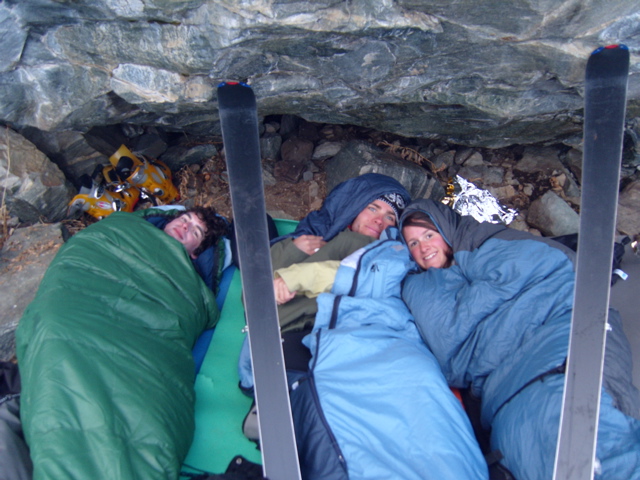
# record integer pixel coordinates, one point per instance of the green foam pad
(220, 404)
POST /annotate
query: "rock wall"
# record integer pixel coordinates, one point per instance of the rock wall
(473, 72)
(32, 187)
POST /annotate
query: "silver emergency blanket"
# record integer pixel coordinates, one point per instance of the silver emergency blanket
(467, 199)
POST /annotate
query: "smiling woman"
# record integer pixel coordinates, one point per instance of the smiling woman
(426, 245)
(498, 322)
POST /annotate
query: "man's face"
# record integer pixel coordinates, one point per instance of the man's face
(189, 230)
(373, 220)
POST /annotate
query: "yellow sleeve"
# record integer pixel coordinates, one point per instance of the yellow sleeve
(310, 279)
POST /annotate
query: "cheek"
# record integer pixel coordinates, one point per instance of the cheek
(364, 219)
(170, 231)
(194, 240)
(444, 246)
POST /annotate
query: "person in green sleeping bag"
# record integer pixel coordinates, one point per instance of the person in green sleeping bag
(196, 228)
(105, 348)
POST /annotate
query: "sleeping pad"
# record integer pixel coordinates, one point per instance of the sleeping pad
(498, 321)
(374, 404)
(104, 352)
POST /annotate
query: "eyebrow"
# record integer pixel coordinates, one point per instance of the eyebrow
(414, 238)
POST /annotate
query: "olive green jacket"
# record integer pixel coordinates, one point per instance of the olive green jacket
(300, 312)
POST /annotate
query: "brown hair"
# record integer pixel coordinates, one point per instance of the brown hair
(419, 219)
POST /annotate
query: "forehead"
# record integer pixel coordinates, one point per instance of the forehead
(414, 231)
(193, 218)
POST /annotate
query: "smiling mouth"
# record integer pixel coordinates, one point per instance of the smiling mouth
(429, 257)
(178, 233)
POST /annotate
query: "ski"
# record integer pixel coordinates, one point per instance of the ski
(604, 112)
(239, 123)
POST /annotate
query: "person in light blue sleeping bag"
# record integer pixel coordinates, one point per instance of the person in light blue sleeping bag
(380, 393)
(494, 306)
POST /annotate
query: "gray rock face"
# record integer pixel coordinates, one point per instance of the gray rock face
(628, 215)
(178, 156)
(24, 258)
(32, 186)
(545, 160)
(478, 73)
(358, 158)
(552, 216)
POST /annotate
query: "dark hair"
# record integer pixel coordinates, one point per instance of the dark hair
(216, 226)
(421, 219)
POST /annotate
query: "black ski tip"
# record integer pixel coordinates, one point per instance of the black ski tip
(235, 95)
(608, 63)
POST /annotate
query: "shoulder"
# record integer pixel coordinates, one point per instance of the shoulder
(344, 244)
(347, 237)
(210, 263)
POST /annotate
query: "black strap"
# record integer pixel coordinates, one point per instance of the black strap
(10, 383)
(239, 469)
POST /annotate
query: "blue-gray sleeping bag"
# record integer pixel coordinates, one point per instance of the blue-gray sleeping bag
(379, 388)
(498, 321)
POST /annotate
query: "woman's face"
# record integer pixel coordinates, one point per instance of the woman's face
(427, 247)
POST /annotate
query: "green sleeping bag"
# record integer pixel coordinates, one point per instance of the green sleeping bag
(104, 352)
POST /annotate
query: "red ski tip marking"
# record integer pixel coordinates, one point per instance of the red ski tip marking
(610, 47)
(233, 84)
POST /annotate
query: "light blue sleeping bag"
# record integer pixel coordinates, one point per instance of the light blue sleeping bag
(380, 389)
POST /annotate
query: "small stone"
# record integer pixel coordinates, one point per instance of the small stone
(474, 160)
